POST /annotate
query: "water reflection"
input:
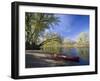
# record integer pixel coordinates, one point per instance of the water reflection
(83, 53)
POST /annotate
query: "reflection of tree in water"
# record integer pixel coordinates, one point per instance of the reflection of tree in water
(66, 51)
(83, 53)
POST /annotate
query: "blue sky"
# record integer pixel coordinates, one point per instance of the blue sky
(70, 26)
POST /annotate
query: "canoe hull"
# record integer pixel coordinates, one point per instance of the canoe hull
(65, 58)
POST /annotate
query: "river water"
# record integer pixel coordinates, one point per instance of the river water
(83, 54)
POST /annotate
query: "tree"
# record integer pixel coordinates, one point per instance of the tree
(36, 23)
(52, 44)
(83, 38)
(68, 42)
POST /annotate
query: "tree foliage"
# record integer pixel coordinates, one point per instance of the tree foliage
(35, 23)
(52, 44)
(68, 42)
(83, 38)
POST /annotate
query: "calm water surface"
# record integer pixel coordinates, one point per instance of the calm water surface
(83, 53)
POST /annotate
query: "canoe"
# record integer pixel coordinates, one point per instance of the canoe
(66, 58)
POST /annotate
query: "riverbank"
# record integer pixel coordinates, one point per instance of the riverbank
(36, 58)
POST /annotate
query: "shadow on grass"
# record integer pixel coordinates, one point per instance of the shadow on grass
(32, 62)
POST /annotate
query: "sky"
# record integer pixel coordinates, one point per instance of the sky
(70, 26)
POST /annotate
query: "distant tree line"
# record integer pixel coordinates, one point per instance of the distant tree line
(81, 41)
